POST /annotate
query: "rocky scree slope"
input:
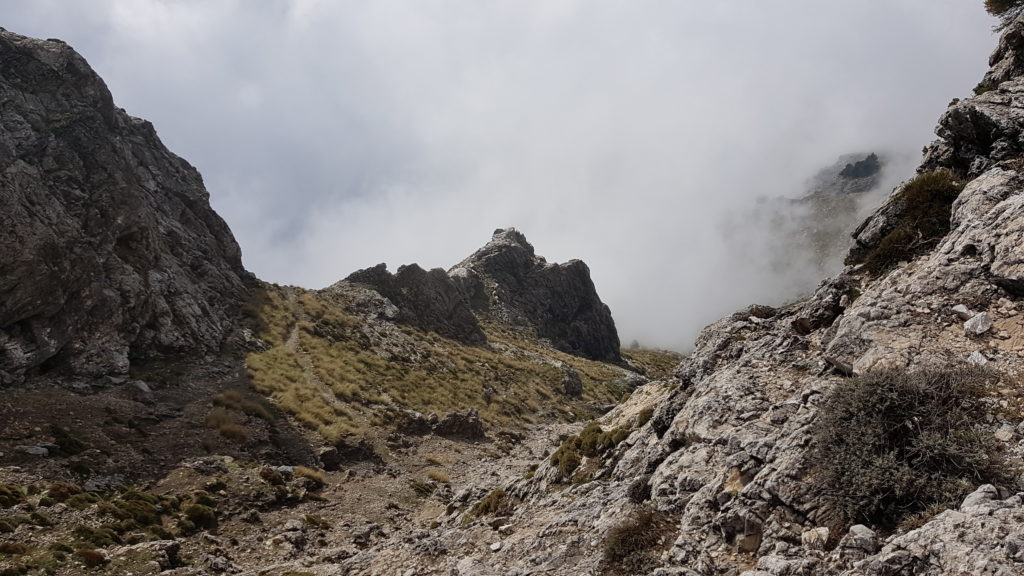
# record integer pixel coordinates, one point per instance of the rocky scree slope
(724, 457)
(109, 249)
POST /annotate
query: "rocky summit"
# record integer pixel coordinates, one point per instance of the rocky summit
(165, 413)
(506, 280)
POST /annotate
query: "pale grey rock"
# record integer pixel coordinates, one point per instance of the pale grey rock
(977, 359)
(978, 325)
(963, 312)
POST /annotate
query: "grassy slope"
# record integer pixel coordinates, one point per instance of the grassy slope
(332, 370)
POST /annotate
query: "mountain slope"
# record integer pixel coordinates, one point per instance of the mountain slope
(108, 247)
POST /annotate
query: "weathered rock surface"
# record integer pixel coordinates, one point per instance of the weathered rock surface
(109, 249)
(428, 300)
(506, 280)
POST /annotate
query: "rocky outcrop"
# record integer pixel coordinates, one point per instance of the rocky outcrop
(109, 249)
(428, 300)
(507, 281)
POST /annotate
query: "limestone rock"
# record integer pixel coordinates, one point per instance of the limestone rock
(137, 264)
(978, 325)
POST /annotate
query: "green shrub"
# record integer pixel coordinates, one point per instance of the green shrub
(591, 442)
(924, 206)
(201, 516)
(102, 537)
(82, 501)
(61, 491)
(11, 495)
(496, 503)
(891, 444)
(984, 86)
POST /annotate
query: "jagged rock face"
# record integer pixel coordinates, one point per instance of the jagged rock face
(428, 300)
(507, 280)
(109, 249)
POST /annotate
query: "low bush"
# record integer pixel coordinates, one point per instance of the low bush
(11, 495)
(496, 503)
(925, 205)
(633, 546)
(891, 444)
(317, 477)
(61, 491)
(591, 442)
(439, 476)
(13, 549)
(201, 516)
(422, 489)
(639, 490)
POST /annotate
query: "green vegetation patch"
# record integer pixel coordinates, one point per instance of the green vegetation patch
(496, 503)
(591, 442)
(11, 495)
(323, 369)
(892, 444)
(924, 212)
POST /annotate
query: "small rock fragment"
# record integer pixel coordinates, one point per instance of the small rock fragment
(963, 312)
(978, 325)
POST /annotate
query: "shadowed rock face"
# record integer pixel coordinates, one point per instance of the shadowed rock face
(428, 300)
(109, 249)
(508, 281)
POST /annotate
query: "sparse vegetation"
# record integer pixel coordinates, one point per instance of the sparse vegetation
(332, 379)
(639, 490)
(655, 364)
(496, 503)
(924, 212)
(633, 546)
(91, 558)
(1006, 10)
(891, 444)
(11, 495)
(439, 476)
(591, 442)
(984, 86)
(317, 477)
(422, 489)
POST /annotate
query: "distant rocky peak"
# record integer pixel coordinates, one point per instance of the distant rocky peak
(506, 281)
(865, 168)
(510, 236)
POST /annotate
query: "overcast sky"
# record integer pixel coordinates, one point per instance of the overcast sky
(334, 135)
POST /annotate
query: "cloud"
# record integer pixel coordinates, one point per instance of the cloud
(335, 135)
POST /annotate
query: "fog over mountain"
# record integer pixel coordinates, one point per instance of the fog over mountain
(336, 135)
